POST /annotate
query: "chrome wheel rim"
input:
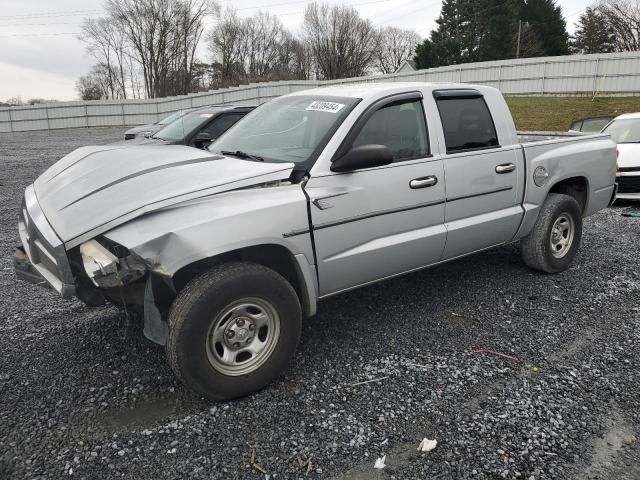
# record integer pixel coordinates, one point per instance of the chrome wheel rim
(243, 336)
(562, 233)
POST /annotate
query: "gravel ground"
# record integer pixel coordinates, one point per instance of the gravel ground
(84, 394)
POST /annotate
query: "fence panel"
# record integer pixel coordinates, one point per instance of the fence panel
(602, 74)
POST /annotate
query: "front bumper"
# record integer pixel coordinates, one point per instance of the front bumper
(628, 186)
(25, 270)
(628, 196)
(42, 257)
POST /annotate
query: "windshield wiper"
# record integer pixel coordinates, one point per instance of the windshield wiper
(243, 155)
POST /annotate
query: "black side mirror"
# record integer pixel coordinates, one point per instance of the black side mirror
(202, 138)
(364, 156)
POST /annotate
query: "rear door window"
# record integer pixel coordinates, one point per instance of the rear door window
(467, 124)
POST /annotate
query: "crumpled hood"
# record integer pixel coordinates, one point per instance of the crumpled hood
(94, 189)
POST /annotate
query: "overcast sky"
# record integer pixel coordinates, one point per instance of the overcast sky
(41, 56)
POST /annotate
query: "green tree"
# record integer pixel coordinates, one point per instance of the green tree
(547, 26)
(498, 24)
(481, 30)
(454, 39)
(593, 33)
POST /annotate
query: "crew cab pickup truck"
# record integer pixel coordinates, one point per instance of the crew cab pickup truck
(314, 193)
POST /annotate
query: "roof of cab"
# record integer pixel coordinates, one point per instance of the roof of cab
(378, 89)
(627, 116)
(218, 108)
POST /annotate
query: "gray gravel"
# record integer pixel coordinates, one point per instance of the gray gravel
(84, 394)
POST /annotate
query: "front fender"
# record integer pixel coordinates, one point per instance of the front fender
(172, 238)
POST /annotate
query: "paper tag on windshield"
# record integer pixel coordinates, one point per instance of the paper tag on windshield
(206, 115)
(329, 107)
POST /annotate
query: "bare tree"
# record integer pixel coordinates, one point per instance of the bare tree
(294, 59)
(623, 18)
(343, 43)
(225, 44)
(106, 43)
(92, 86)
(163, 36)
(396, 46)
(14, 102)
(262, 36)
(190, 29)
(255, 49)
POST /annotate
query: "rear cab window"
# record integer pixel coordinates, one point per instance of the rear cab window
(466, 121)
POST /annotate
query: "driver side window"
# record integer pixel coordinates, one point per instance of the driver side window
(401, 127)
(221, 124)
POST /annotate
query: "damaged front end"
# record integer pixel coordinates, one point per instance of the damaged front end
(107, 269)
(101, 271)
(110, 272)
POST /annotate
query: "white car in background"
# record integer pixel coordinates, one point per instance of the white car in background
(625, 131)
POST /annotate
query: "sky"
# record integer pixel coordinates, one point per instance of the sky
(41, 55)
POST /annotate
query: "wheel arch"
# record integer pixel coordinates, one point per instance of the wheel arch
(576, 187)
(294, 268)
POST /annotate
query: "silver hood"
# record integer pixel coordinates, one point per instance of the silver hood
(94, 189)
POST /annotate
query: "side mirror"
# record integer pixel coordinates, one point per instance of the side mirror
(364, 156)
(202, 137)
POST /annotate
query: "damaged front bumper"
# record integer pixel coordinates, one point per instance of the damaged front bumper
(25, 270)
(28, 272)
(42, 259)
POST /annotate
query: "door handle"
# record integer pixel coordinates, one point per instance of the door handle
(423, 182)
(505, 168)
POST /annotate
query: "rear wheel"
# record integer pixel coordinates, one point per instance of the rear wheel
(233, 329)
(554, 240)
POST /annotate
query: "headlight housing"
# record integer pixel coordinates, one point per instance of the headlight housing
(98, 261)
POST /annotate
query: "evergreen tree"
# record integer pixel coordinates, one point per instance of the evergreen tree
(545, 19)
(481, 30)
(498, 25)
(452, 41)
(593, 33)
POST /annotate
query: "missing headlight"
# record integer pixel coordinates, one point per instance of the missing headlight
(110, 266)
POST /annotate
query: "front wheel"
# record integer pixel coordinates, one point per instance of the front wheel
(233, 329)
(555, 237)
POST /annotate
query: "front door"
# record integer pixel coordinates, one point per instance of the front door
(378, 222)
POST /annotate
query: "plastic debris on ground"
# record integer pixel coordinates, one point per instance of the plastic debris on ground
(380, 462)
(427, 445)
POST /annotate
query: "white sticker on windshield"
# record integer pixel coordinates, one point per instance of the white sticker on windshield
(206, 115)
(330, 107)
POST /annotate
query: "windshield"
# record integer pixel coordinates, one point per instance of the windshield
(170, 118)
(287, 129)
(177, 130)
(624, 130)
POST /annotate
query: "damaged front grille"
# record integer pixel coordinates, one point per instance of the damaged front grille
(42, 246)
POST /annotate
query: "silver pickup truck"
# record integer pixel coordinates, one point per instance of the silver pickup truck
(222, 252)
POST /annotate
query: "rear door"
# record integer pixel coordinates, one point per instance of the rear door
(378, 222)
(484, 174)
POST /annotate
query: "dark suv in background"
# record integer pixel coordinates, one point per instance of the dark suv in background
(197, 127)
(151, 128)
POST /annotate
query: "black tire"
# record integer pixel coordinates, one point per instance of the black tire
(202, 302)
(537, 248)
